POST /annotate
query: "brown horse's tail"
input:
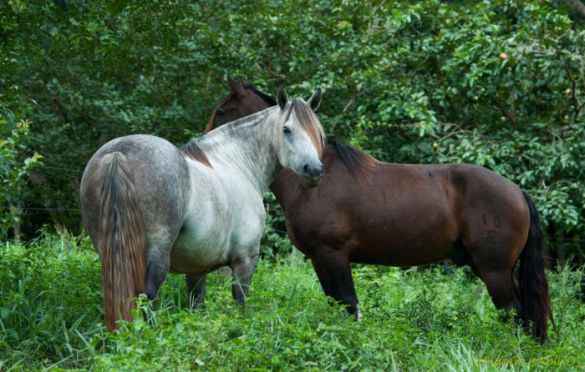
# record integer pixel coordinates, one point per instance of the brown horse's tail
(123, 244)
(536, 306)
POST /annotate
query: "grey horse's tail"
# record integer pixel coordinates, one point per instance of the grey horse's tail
(123, 244)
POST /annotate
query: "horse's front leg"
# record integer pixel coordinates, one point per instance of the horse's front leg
(243, 267)
(334, 272)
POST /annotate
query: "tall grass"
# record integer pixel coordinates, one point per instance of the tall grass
(435, 319)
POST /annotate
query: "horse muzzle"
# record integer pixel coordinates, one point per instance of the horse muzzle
(311, 174)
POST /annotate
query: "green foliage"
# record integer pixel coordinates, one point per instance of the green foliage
(15, 165)
(497, 83)
(51, 316)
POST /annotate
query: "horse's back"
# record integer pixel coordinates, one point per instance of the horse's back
(465, 189)
(159, 173)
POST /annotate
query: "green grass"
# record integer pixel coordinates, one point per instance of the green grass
(436, 319)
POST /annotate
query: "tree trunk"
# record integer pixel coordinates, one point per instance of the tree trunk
(16, 227)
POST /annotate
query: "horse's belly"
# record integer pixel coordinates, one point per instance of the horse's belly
(396, 254)
(206, 243)
(196, 253)
(408, 243)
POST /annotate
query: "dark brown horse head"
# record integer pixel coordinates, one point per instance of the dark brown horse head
(243, 100)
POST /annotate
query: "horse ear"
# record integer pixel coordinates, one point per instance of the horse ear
(231, 81)
(315, 100)
(281, 98)
(236, 86)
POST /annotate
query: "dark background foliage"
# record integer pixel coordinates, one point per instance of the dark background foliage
(496, 83)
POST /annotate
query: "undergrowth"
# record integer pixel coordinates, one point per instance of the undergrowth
(434, 319)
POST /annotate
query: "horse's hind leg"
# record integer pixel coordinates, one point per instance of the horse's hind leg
(243, 267)
(157, 268)
(495, 268)
(500, 286)
(196, 284)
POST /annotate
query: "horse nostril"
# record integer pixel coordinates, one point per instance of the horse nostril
(313, 171)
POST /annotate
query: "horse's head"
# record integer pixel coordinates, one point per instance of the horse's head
(243, 100)
(298, 138)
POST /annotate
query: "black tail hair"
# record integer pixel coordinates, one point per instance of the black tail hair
(536, 306)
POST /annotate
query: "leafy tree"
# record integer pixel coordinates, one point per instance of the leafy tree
(14, 167)
(498, 83)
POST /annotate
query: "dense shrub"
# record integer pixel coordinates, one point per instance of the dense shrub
(497, 83)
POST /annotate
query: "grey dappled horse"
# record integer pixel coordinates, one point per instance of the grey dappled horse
(151, 208)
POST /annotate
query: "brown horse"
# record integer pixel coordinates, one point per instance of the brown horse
(371, 212)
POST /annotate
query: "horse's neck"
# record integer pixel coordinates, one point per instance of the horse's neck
(279, 188)
(246, 148)
(287, 188)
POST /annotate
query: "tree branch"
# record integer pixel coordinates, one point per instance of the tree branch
(62, 110)
(350, 102)
(273, 74)
(577, 106)
(509, 114)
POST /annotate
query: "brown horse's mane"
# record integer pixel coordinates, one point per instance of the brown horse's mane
(356, 161)
(270, 100)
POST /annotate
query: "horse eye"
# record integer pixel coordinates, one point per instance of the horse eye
(220, 112)
(286, 130)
